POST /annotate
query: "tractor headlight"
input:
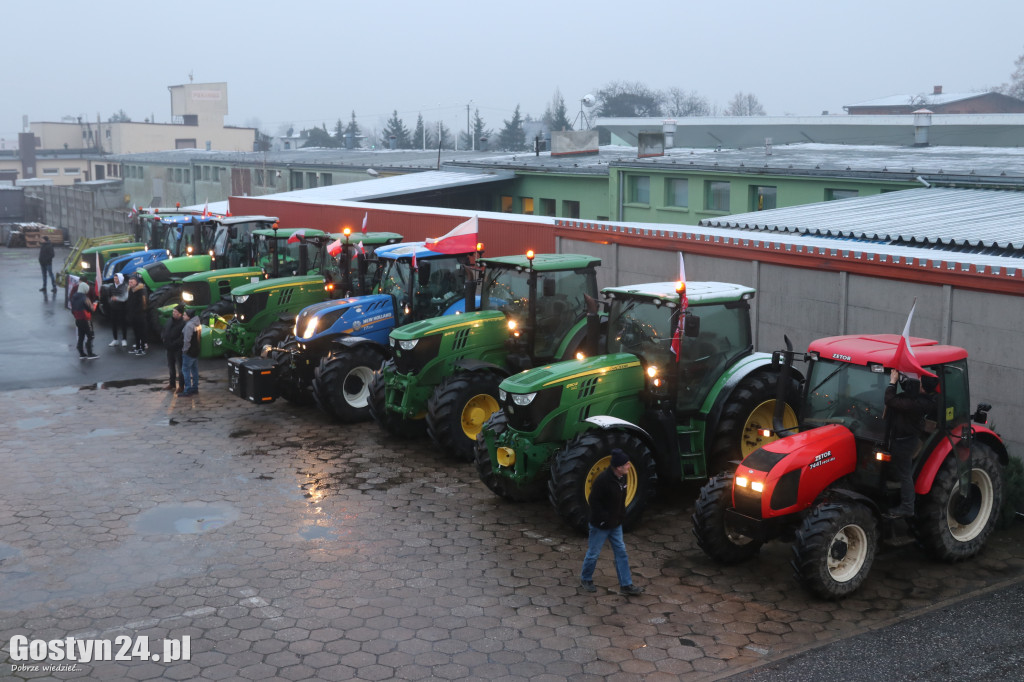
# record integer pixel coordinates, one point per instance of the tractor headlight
(502, 395)
(523, 399)
(407, 344)
(187, 297)
(85, 265)
(310, 328)
(757, 486)
(241, 299)
(742, 481)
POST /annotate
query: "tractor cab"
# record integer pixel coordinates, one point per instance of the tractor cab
(421, 283)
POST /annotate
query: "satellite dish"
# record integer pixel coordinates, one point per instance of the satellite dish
(588, 100)
(371, 172)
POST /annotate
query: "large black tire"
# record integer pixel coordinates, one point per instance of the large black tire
(341, 385)
(711, 527)
(274, 335)
(834, 549)
(386, 419)
(223, 308)
(502, 486)
(165, 295)
(457, 410)
(292, 386)
(951, 526)
(577, 465)
(749, 410)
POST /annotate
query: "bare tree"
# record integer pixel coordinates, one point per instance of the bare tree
(1015, 88)
(744, 105)
(628, 99)
(678, 102)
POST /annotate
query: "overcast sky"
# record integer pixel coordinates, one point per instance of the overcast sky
(307, 62)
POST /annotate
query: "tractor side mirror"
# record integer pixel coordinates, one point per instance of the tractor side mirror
(691, 326)
(424, 274)
(981, 413)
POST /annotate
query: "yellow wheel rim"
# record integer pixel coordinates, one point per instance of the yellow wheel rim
(759, 421)
(602, 464)
(476, 411)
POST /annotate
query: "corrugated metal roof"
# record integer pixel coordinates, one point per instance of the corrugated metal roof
(936, 217)
(398, 185)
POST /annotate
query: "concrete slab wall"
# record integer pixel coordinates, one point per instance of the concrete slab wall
(807, 304)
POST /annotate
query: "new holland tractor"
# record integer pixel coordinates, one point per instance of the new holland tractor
(336, 346)
(445, 372)
(682, 394)
(826, 489)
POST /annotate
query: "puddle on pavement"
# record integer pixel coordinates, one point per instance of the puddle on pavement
(34, 423)
(185, 519)
(316, 533)
(8, 552)
(122, 383)
(102, 433)
(65, 390)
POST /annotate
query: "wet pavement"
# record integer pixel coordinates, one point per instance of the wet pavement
(289, 547)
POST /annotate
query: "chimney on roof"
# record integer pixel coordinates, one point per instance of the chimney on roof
(936, 89)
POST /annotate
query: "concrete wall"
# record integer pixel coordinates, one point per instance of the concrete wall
(808, 304)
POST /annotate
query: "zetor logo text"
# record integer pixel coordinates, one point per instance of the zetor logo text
(821, 458)
(73, 650)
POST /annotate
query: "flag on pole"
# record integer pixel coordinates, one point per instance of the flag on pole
(414, 265)
(366, 217)
(132, 213)
(297, 235)
(206, 209)
(99, 278)
(334, 248)
(684, 302)
(904, 359)
(362, 249)
(462, 239)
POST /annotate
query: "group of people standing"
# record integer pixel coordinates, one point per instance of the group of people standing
(127, 307)
(181, 343)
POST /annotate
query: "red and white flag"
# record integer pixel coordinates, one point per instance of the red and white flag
(206, 209)
(362, 249)
(99, 278)
(684, 302)
(366, 217)
(904, 360)
(414, 265)
(334, 248)
(297, 235)
(462, 239)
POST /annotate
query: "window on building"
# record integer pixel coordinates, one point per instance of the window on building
(717, 196)
(206, 172)
(762, 198)
(169, 175)
(677, 192)
(72, 171)
(310, 180)
(187, 176)
(639, 189)
(51, 171)
(547, 207)
(506, 204)
(833, 194)
(325, 180)
(570, 209)
(296, 180)
(215, 174)
(177, 175)
(527, 205)
(259, 177)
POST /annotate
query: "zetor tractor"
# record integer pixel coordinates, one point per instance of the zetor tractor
(682, 397)
(827, 488)
(532, 312)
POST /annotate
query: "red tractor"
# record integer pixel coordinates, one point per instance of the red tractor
(827, 488)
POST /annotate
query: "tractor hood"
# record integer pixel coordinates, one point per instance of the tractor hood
(279, 283)
(786, 476)
(225, 273)
(622, 367)
(449, 324)
(356, 316)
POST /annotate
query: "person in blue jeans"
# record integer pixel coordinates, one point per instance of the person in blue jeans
(190, 352)
(46, 264)
(607, 511)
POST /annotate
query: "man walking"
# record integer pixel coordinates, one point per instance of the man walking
(190, 352)
(607, 511)
(46, 264)
(82, 308)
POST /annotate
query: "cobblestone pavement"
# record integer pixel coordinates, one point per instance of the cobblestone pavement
(289, 547)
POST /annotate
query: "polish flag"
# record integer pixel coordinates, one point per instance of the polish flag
(99, 278)
(297, 235)
(904, 359)
(362, 249)
(206, 209)
(684, 302)
(366, 217)
(414, 265)
(334, 248)
(462, 239)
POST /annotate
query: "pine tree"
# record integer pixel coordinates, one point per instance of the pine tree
(479, 133)
(395, 127)
(339, 133)
(556, 117)
(418, 139)
(353, 129)
(512, 137)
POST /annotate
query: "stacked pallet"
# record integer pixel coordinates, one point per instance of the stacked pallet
(34, 232)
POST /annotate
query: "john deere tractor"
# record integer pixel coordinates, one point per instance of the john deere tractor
(827, 488)
(337, 345)
(682, 394)
(532, 312)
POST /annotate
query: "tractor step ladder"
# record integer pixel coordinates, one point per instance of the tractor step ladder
(84, 243)
(693, 462)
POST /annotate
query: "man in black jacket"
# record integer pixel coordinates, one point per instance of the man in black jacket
(46, 263)
(607, 511)
(173, 341)
(909, 409)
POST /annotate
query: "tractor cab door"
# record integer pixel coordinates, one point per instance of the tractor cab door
(723, 338)
(954, 415)
(560, 306)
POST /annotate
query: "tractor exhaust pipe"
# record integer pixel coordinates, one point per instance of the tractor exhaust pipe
(780, 390)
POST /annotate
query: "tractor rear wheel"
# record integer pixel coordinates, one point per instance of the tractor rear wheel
(457, 410)
(834, 549)
(577, 465)
(341, 384)
(749, 412)
(502, 486)
(388, 420)
(951, 525)
(711, 527)
(274, 336)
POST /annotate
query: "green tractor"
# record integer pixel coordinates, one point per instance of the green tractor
(264, 311)
(445, 371)
(680, 390)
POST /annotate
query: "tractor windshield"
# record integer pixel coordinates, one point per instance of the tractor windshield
(287, 256)
(151, 232)
(179, 238)
(638, 326)
(425, 292)
(233, 244)
(851, 395)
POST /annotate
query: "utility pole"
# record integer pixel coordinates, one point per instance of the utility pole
(469, 131)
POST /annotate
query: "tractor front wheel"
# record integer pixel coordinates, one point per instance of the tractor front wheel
(577, 465)
(502, 486)
(834, 549)
(953, 525)
(273, 336)
(391, 422)
(711, 526)
(457, 410)
(341, 384)
(221, 308)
